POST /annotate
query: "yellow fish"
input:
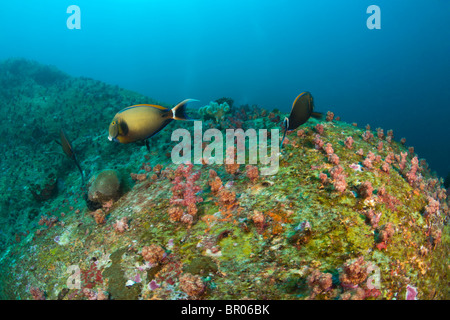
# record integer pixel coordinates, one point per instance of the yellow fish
(142, 121)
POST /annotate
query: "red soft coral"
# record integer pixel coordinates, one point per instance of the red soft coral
(185, 192)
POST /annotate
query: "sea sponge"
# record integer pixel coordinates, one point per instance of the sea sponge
(192, 285)
(153, 253)
(215, 110)
(105, 186)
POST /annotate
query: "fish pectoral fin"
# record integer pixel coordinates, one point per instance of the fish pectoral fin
(317, 115)
(123, 128)
(167, 121)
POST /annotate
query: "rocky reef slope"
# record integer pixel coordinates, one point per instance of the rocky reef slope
(352, 213)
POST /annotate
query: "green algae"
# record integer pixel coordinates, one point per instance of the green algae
(238, 247)
(116, 279)
(201, 265)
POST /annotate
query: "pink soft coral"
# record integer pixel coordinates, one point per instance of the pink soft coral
(184, 188)
(185, 192)
(121, 225)
(338, 175)
(252, 172)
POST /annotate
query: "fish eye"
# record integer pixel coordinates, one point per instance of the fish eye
(113, 123)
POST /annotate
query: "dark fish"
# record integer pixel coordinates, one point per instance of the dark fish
(68, 150)
(447, 182)
(302, 110)
(142, 121)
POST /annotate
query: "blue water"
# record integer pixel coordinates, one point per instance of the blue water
(261, 52)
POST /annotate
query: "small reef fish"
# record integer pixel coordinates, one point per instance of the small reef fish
(68, 150)
(302, 110)
(142, 121)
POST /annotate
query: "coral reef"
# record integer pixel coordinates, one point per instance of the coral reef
(215, 110)
(351, 213)
(46, 191)
(184, 194)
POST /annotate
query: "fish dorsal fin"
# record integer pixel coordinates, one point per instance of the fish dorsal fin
(144, 105)
(298, 97)
(152, 106)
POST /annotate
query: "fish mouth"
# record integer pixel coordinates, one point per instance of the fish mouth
(114, 139)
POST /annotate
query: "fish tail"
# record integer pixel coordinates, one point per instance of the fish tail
(282, 140)
(179, 111)
(81, 170)
(317, 115)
